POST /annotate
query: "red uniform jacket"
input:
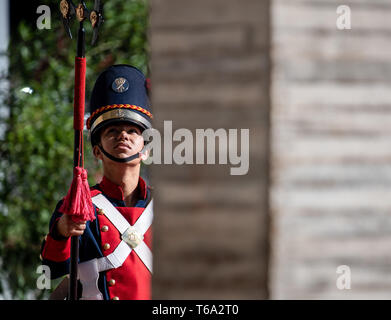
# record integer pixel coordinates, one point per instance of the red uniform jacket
(132, 280)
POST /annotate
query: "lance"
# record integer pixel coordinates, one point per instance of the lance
(78, 203)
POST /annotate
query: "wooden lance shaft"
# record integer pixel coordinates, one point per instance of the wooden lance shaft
(78, 159)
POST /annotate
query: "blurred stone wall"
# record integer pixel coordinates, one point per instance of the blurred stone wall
(210, 69)
(330, 138)
(331, 154)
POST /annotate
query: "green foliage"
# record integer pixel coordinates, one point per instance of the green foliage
(37, 146)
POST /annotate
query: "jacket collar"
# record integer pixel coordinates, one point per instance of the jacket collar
(115, 191)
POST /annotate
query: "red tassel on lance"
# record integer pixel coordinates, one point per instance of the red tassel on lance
(77, 202)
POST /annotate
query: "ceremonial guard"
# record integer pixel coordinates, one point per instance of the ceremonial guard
(115, 258)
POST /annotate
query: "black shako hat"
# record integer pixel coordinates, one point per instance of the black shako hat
(119, 95)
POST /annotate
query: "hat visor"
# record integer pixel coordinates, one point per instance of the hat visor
(112, 117)
(120, 115)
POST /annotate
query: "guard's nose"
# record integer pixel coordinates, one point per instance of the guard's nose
(123, 135)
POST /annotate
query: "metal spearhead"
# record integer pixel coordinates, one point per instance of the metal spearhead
(96, 19)
(67, 9)
(81, 11)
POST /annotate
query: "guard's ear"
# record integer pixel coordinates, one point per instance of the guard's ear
(97, 152)
(144, 154)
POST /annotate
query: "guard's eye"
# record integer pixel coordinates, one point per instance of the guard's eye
(110, 131)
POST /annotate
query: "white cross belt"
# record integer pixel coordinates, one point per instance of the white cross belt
(132, 239)
(132, 236)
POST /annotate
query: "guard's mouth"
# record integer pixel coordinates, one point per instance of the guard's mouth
(122, 145)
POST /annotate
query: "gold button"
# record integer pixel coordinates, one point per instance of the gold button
(111, 282)
(115, 298)
(104, 229)
(100, 211)
(106, 246)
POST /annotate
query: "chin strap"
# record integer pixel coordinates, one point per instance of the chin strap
(122, 160)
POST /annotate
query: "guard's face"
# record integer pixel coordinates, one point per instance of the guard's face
(121, 140)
